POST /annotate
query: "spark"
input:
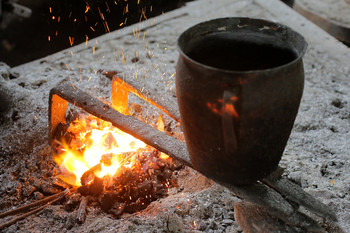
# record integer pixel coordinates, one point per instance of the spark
(53, 17)
(67, 67)
(49, 38)
(124, 60)
(101, 14)
(106, 26)
(87, 8)
(144, 14)
(73, 86)
(121, 24)
(93, 50)
(71, 40)
(71, 52)
(86, 40)
(170, 83)
(50, 9)
(92, 29)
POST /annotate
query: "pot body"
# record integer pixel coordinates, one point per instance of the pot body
(236, 121)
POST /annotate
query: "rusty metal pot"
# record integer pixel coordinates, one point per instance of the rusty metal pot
(239, 83)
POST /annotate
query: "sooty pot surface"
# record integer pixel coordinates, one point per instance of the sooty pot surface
(239, 83)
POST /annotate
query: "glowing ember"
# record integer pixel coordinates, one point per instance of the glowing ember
(94, 142)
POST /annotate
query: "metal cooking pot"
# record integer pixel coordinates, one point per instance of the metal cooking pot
(239, 83)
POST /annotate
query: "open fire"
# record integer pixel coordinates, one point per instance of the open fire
(90, 142)
(108, 165)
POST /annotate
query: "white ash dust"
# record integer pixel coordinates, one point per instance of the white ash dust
(195, 205)
(316, 156)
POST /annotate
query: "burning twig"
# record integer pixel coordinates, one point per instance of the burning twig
(81, 216)
(49, 200)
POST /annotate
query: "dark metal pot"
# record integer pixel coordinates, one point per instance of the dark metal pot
(239, 82)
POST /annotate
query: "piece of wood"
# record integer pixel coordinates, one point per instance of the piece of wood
(81, 214)
(14, 220)
(29, 206)
(263, 196)
(294, 193)
(252, 218)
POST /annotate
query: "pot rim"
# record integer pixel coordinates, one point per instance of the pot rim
(266, 25)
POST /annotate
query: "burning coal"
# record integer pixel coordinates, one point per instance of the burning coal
(90, 141)
(121, 172)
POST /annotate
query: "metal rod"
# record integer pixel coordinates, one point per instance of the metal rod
(60, 95)
(273, 199)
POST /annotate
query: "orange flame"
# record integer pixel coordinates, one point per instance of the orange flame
(94, 140)
(160, 127)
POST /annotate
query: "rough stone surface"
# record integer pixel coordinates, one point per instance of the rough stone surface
(337, 11)
(252, 219)
(316, 156)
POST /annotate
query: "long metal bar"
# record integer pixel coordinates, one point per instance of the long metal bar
(270, 198)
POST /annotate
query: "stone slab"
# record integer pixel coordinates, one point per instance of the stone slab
(331, 15)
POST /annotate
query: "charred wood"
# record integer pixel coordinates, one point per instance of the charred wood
(46, 202)
(81, 214)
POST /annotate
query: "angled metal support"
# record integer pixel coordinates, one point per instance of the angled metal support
(277, 195)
